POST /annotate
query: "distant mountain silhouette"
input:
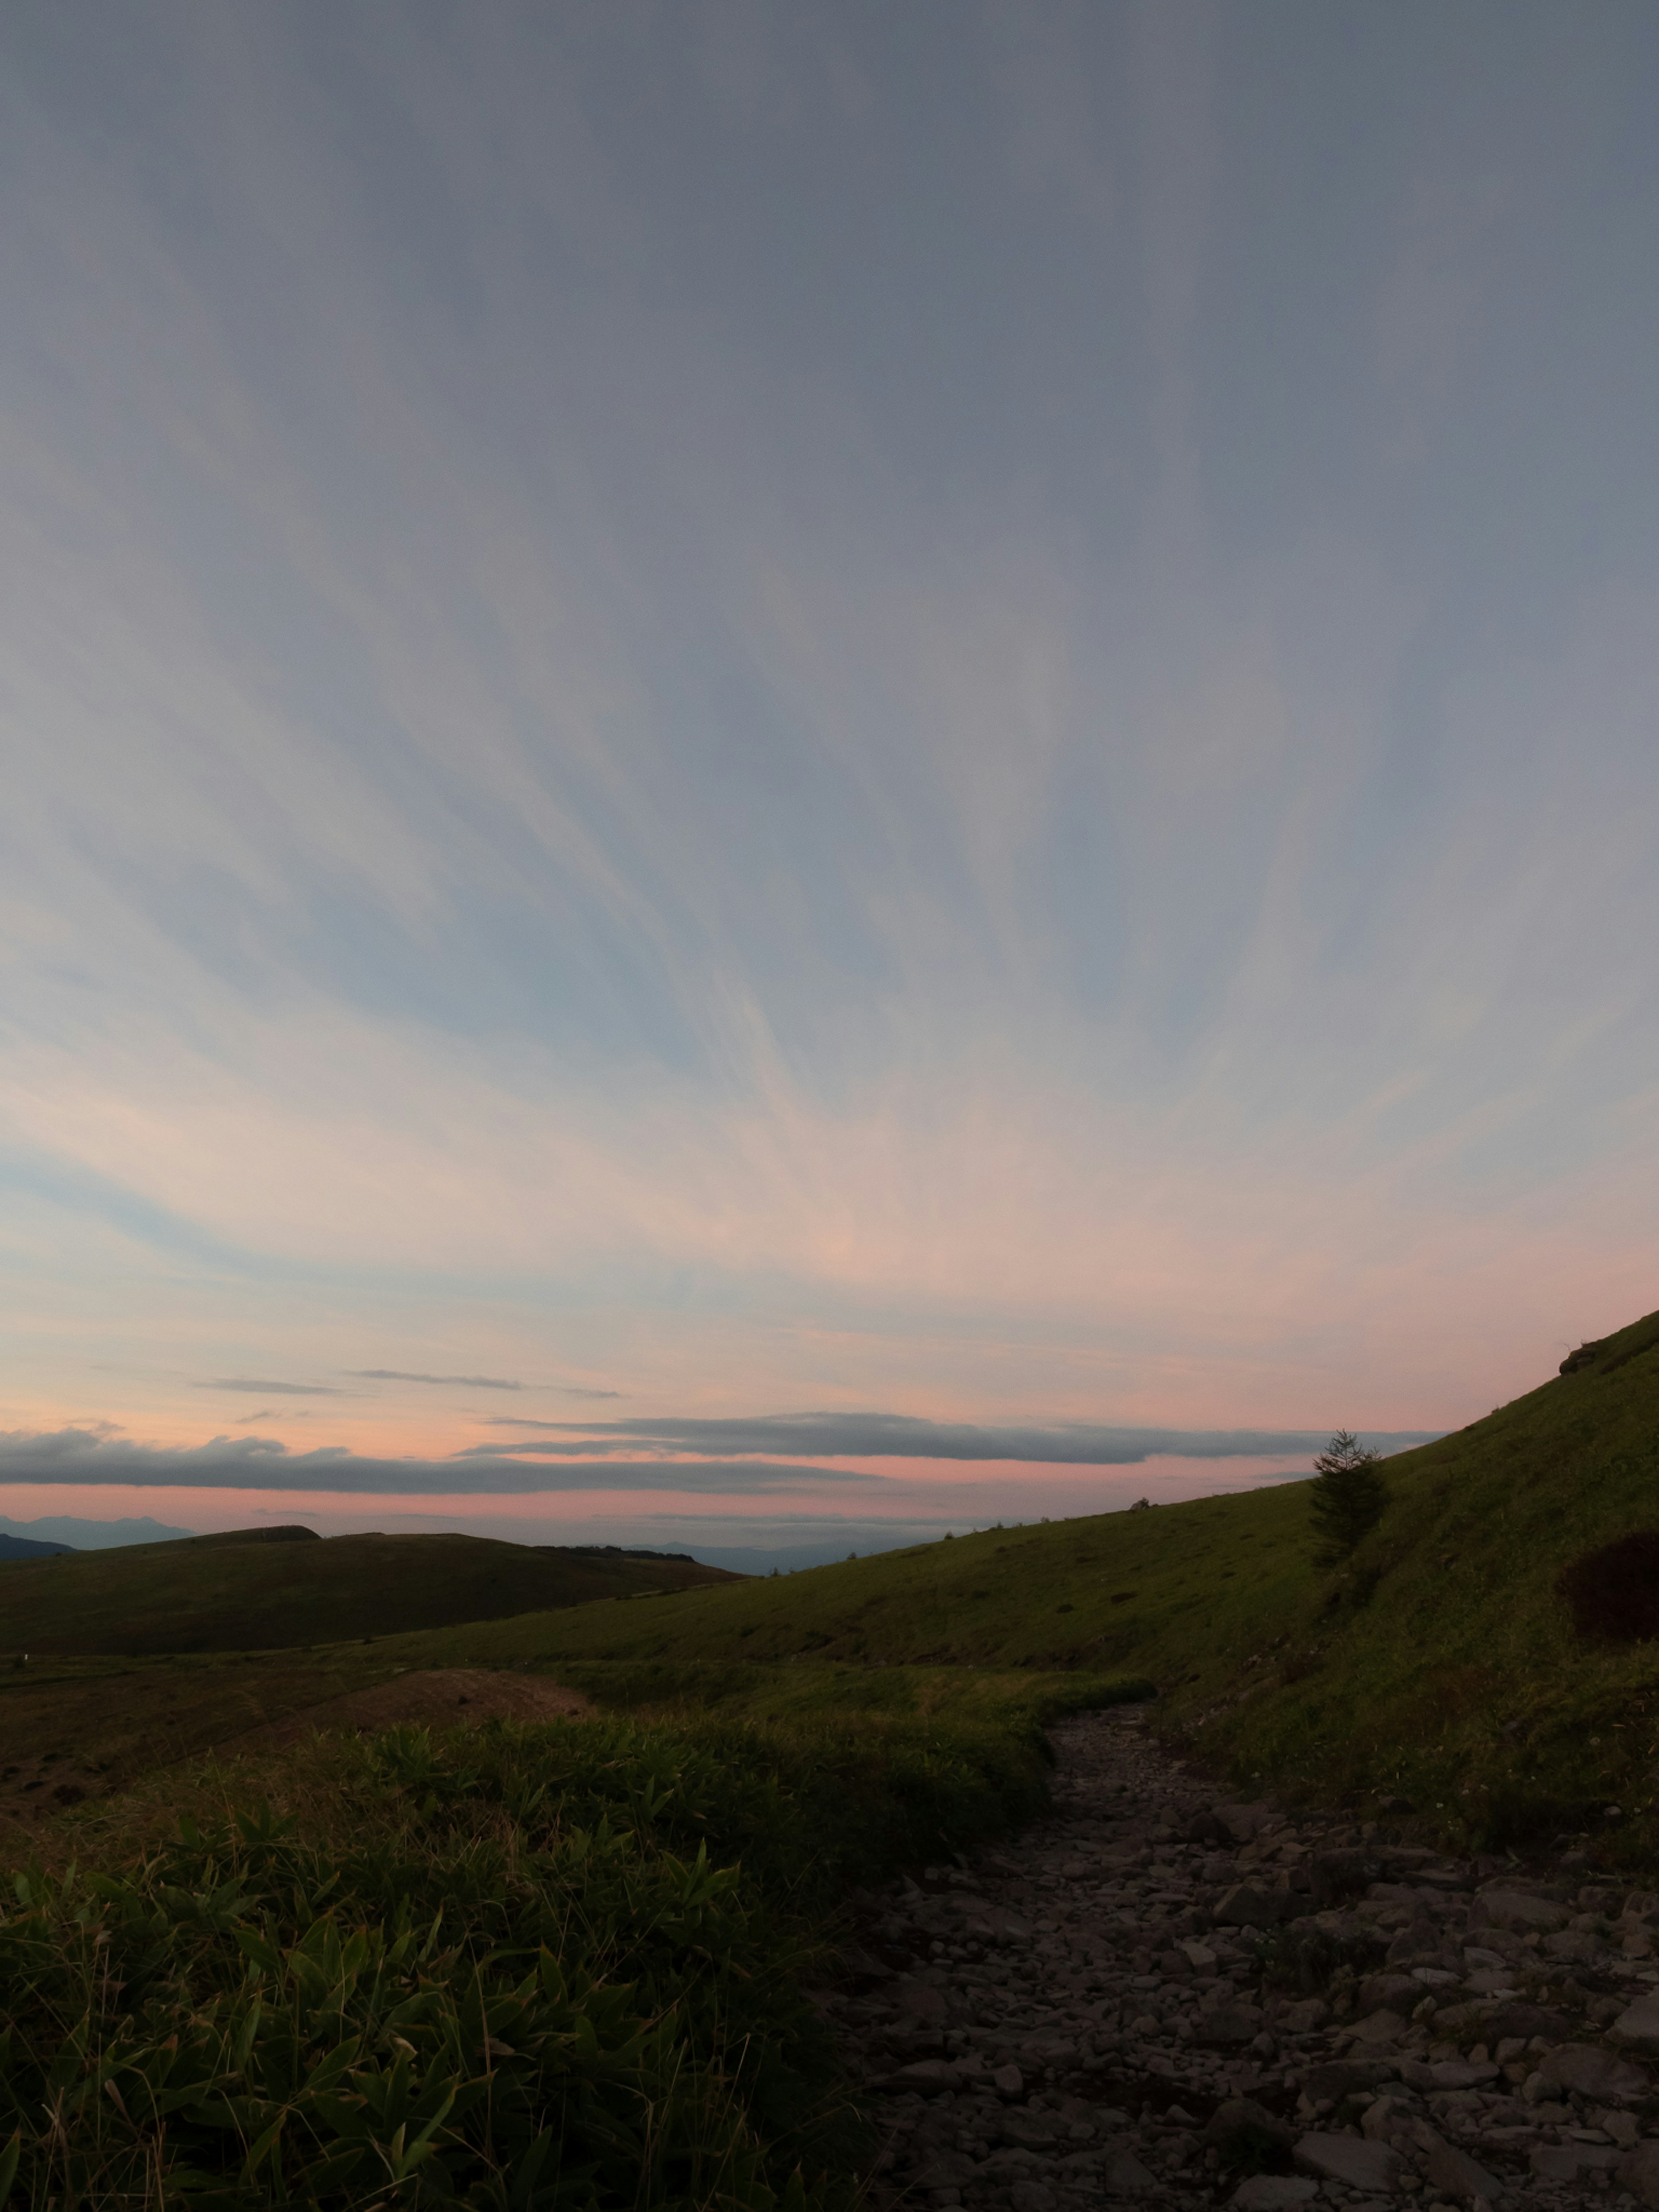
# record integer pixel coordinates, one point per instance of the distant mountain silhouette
(24, 1547)
(77, 1535)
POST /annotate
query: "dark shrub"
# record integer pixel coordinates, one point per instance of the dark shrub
(1614, 1593)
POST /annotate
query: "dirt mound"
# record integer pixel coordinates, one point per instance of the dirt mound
(439, 1697)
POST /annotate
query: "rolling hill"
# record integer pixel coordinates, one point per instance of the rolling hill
(1441, 1668)
(252, 1591)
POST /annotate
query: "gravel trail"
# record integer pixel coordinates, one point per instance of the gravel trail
(1161, 1995)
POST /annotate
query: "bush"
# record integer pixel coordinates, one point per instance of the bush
(1346, 1497)
(1614, 1593)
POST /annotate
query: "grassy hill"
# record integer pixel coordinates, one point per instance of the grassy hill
(799, 1732)
(1441, 1668)
(252, 1591)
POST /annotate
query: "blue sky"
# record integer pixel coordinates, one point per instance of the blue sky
(942, 710)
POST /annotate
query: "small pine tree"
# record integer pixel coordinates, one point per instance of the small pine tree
(1348, 1496)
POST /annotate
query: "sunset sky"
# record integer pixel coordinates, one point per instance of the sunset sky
(785, 775)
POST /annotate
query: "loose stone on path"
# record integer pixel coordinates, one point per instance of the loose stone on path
(1160, 1996)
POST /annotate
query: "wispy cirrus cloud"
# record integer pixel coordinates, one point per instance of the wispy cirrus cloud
(251, 1387)
(932, 837)
(480, 1382)
(403, 1375)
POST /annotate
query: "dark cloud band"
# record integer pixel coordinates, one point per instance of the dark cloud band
(79, 1456)
(901, 1436)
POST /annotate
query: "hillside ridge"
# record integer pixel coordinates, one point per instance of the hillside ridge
(272, 1588)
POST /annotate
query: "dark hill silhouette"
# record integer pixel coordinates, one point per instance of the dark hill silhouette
(27, 1547)
(265, 1590)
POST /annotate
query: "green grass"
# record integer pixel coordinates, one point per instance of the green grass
(217, 1595)
(543, 1967)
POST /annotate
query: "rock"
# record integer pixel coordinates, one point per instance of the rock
(1344, 2077)
(1242, 1822)
(944, 2169)
(1388, 1992)
(1570, 2161)
(1464, 2073)
(1554, 2162)
(921, 2001)
(1464, 2022)
(1638, 2171)
(1522, 2021)
(1227, 2026)
(1593, 2073)
(1580, 1945)
(1455, 2174)
(1272, 2192)
(932, 2076)
(1026, 2131)
(1336, 1875)
(1244, 1905)
(1384, 2120)
(1517, 1909)
(864, 1965)
(1416, 1946)
(1302, 2017)
(1125, 2176)
(1032, 2196)
(1050, 2051)
(1240, 2116)
(1638, 2023)
(1350, 2159)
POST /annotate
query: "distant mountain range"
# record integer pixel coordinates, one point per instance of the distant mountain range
(61, 1532)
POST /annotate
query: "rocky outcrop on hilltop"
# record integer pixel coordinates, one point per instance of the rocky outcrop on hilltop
(1158, 1996)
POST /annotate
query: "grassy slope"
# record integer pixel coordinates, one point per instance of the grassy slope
(96, 1725)
(99, 1726)
(191, 1596)
(1457, 1683)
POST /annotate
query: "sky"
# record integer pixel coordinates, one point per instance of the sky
(785, 775)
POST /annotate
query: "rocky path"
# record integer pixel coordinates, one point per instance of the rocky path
(1160, 1996)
